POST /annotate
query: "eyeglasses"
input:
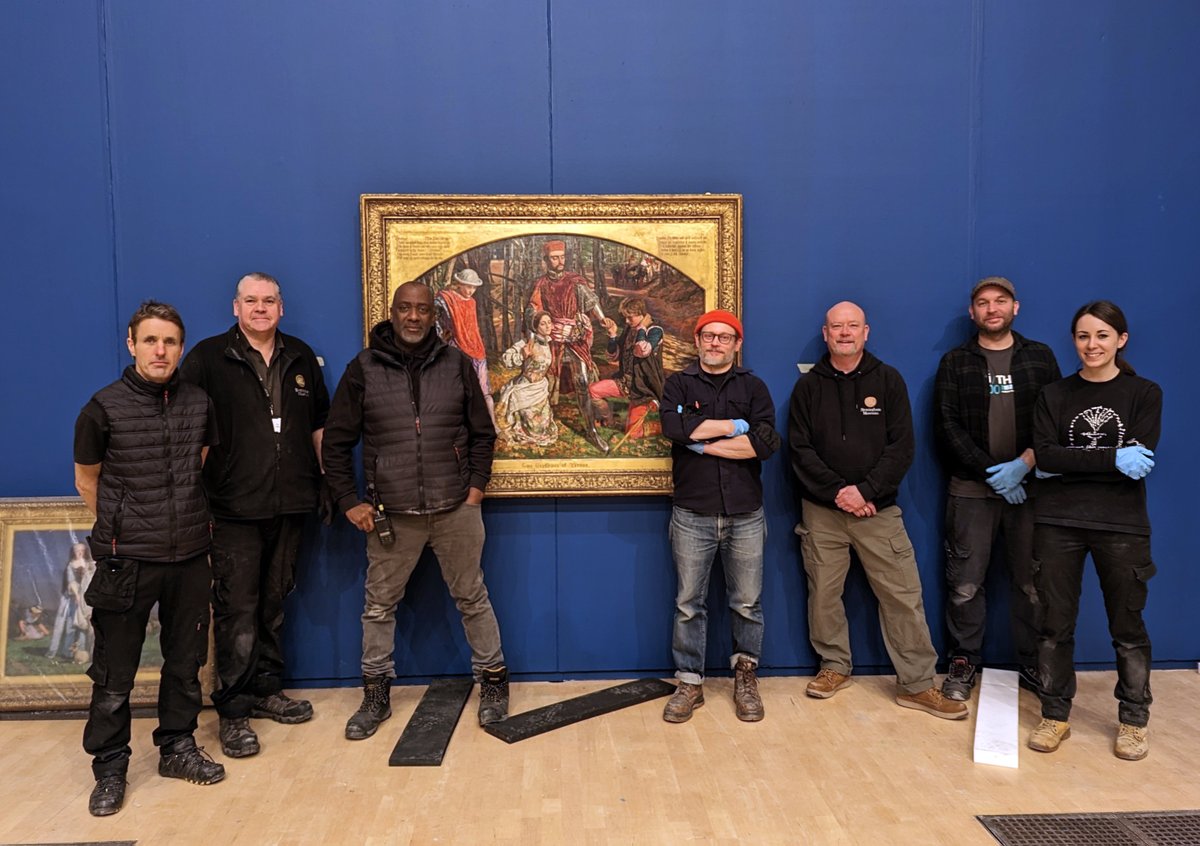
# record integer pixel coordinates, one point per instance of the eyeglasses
(724, 337)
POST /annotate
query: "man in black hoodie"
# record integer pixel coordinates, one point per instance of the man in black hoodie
(851, 439)
(428, 440)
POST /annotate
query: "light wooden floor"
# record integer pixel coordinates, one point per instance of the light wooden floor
(852, 769)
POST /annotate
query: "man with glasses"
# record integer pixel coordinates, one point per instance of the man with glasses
(721, 423)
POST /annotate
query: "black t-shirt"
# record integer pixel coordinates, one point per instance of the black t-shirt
(1078, 426)
(92, 431)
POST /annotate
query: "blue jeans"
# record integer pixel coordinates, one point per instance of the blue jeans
(695, 540)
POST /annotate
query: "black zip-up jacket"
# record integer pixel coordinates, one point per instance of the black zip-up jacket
(850, 429)
(706, 483)
(255, 473)
(960, 396)
(422, 449)
(150, 502)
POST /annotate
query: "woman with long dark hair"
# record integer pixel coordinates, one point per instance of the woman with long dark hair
(1094, 434)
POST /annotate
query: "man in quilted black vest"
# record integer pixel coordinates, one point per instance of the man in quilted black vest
(428, 440)
(140, 444)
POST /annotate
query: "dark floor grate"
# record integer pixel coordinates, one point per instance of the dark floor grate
(1152, 828)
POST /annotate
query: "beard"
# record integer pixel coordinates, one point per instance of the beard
(1000, 332)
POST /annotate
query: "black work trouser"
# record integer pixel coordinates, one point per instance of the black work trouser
(254, 564)
(972, 526)
(1124, 566)
(181, 590)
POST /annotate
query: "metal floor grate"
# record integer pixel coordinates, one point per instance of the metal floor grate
(1152, 828)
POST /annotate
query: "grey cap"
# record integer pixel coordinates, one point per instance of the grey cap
(993, 282)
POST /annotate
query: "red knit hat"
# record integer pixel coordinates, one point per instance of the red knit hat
(719, 315)
(553, 246)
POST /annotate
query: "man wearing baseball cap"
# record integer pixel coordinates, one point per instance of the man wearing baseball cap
(721, 423)
(984, 395)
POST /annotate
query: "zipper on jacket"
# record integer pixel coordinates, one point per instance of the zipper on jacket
(271, 413)
(417, 428)
(166, 403)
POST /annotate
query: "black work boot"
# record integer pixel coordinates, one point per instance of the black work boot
(107, 796)
(375, 708)
(190, 763)
(493, 695)
(282, 708)
(238, 740)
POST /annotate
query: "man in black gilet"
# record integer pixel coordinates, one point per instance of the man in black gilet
(139, 446)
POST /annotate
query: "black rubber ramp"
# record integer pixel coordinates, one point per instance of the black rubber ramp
(425, 738)
(551, 717)
(1141, 828)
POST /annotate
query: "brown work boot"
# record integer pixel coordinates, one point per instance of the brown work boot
(1132, 744)
(746, 701)
(685, 699)
(1048, 735)
(827, 683)
(931, 701)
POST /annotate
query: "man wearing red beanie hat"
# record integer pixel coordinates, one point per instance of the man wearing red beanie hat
(721, 424)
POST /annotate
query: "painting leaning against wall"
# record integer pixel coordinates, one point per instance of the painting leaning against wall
(46, 637)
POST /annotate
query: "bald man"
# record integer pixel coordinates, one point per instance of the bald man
(851, 440)
(427, 442)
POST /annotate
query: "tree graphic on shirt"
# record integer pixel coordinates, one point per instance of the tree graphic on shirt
(1095, 417)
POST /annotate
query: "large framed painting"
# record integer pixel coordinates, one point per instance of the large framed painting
(46, 637)
(574, 310)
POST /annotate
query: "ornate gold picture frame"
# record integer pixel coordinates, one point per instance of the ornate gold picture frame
(46, 639)
(574, 309)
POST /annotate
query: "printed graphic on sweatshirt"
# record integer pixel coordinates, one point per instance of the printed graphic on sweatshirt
(870, 407)
(1098, 427)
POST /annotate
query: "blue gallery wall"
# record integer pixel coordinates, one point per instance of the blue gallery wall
(889, 153)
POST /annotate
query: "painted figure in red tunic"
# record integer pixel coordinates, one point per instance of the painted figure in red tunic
(458, 326)
(572, 305)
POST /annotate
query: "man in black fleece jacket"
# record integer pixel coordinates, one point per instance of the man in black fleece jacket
(851, 439)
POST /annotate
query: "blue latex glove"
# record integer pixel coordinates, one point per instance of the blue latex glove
(1042, 474)
(740, 427)
(1007, 476)
(1014, 496)
(1135, 461)
(696, 448)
